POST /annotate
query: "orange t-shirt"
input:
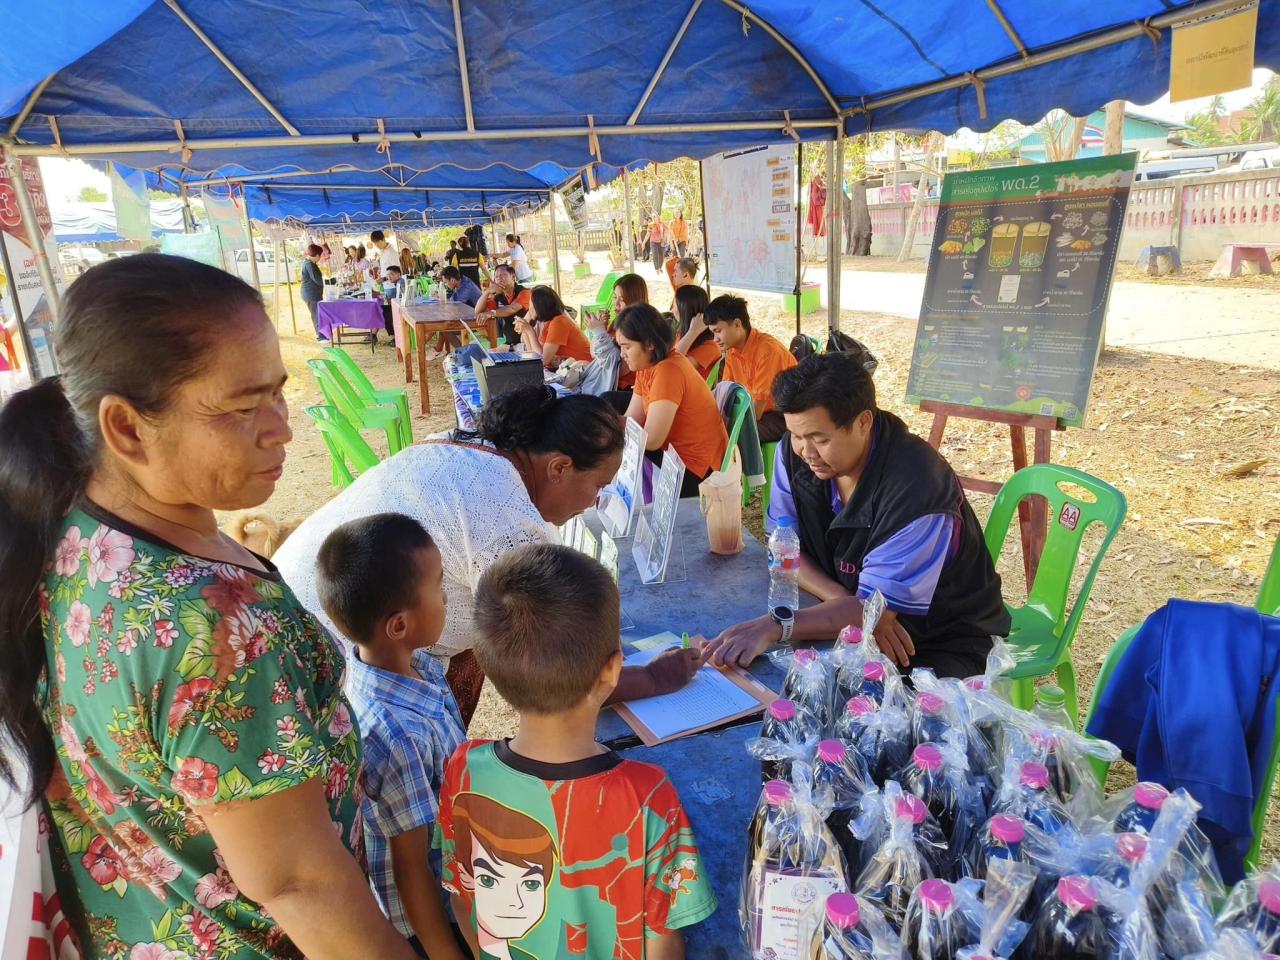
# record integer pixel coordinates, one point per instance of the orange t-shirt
(697, 432)
(655, 232)
(755, 365)
(680, 230)
(568, 339)
(704, 357)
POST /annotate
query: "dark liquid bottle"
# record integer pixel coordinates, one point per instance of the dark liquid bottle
(845, 772)
(1000, 839)
(926, 778)
(1260, 917)
(784, 723)
(851, 655)
(1071, 925)
(873, 681)
(842, 936)
(1035, 801)
(928, 719)
(934, 928)
(1140, 814)
(897, 868)
(808, 683)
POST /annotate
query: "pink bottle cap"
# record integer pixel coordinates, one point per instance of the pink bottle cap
(1132, 847)
(1034, 775)
(1043, 740)
(1150, 795)
(930, 703)
(975, 684)
(861, 707)
(873, 670)
(910, 807)
(782, 709)
(1077, 893)
(1269, 896)
(851, 634)
(1008, 829)
(842, 910)
(832, 751)
(806, 656)
(927, 757)
(937, 895)
(777, 792)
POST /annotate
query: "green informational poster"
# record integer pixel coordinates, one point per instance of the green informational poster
(1019, 275)
(203, 246)
(132, 206)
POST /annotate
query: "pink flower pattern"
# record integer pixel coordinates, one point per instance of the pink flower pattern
(110, 552)
(66, 556)
(166, 633)
(79, 623)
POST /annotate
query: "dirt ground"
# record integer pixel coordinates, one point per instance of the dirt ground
(1193, 445)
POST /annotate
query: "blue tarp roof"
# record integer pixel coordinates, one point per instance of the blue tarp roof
(544, 73)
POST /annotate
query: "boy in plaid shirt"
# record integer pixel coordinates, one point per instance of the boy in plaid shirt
(380, 579)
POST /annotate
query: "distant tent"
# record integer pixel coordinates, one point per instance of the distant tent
(96, 222)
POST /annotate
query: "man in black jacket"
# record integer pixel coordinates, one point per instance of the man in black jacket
(876, 508)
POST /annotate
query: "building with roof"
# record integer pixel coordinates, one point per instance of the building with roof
(1141, 133)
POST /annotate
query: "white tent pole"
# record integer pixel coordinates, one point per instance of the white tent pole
(662, 67)
(253, 256)
(384, 191)
(627, 237)
(555, 247)
(34, 237)
(235, 71)
(288, 284)
(25, 112)
(462, 64)
(835, 232)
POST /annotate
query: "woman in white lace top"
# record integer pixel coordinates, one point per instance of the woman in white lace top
(537, 461)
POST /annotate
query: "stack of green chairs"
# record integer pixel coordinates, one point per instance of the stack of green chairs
(741, 409)
(604, 297)
(1268, 603)
(349, 455)
(338, 393)
(373, 396)
(1043, 628)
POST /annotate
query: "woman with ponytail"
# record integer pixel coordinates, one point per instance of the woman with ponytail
(536, 462)
(174, 708)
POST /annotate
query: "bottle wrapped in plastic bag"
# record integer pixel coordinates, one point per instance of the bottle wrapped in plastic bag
(938, 773)
(1000, 838)
(942, 918)
(1005, 893)
(1025, 792)
(1253, 909)
(941, 707)
(810, 682)
(1065, 754)
(881, 733)
(850, 652)
(907, 847)
(1072, 923)
(789, 734)
(792, 865)
(839, 768)
(854, 929)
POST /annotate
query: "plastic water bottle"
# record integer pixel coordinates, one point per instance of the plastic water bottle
(873, 680)
(1000, 839)
(784, 566)
(845, 772)
(843, 936)
(935, 928)
(1139, 816)
(1070, 925)
(785, 723)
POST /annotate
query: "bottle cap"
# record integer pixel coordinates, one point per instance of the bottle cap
(975, 684)
(1132, 847)
(832, 751)
(777, 792)
(1051, 696)
(1078, 893)
(842, 910)
(1008, 829)
(851, 634)
(873, 670)
(1043, 740)
(806, 656)
(927, 757)
(1269, 896)
(937, 895)
(1150, 795)
(1033, 775)
(785, 522)
(861, 707)
(782, 709)
(910, 807)
(930, 703)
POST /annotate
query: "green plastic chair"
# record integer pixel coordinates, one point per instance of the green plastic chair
(373, 396)
(1268, 603)
(714, 376)
(342, 396)
(604, 296)
(1043, 628)
(349, 455)
(741, 408)
(769, 451)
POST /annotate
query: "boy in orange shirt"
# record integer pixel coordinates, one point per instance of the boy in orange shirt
(751, 358)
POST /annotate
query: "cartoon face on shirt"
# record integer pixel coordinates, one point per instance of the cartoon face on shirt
(510, 898)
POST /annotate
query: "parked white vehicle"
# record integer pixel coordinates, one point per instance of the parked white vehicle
(267, 267)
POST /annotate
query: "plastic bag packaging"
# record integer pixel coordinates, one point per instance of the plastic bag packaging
(810, 682)
(854, 929)
(1005, 893)
(1073, 923)
(1024, 792)
(840, 768)
(941, 919)
(881, 733)
(943, 705)
(789, 734)
(911, 848)
(1231, 945)
(1002, 838)
(1065, 754)
(1253, 909)
(850, 652)
(938, 774)
(792, 865)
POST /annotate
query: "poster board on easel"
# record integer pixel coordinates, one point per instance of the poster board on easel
(619, 502)
(655, 530)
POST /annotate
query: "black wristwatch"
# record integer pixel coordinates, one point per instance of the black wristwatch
(786, 619)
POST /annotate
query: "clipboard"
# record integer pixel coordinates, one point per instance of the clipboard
(760, 695)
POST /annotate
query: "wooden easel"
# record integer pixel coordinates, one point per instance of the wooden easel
(1032, 512)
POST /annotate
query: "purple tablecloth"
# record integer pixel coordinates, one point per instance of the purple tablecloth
(361, 314)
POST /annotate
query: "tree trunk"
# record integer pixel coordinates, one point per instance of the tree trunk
(859, 230)
(1113, 138)
(909, 237)
(1077, 134)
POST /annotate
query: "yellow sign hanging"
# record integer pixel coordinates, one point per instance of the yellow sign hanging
(1214, 53)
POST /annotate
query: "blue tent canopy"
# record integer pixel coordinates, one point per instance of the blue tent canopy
(200, 84)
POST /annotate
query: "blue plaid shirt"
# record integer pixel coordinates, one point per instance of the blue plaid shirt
(409, 727)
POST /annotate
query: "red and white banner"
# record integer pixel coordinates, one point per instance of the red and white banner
(31, 309)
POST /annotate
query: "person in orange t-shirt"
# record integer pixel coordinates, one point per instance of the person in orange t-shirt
(546, 330)
(695, 341)
(751, 358)
(506, 301)
(671, 401)
(680, 234)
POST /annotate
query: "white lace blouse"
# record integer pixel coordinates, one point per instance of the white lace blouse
(472, 502)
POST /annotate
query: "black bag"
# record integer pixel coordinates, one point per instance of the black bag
(803, 346)
(841, 342)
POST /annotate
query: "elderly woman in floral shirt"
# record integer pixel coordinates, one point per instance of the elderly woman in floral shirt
(181, 714)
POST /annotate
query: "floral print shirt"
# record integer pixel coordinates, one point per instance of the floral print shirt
(176, 683)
